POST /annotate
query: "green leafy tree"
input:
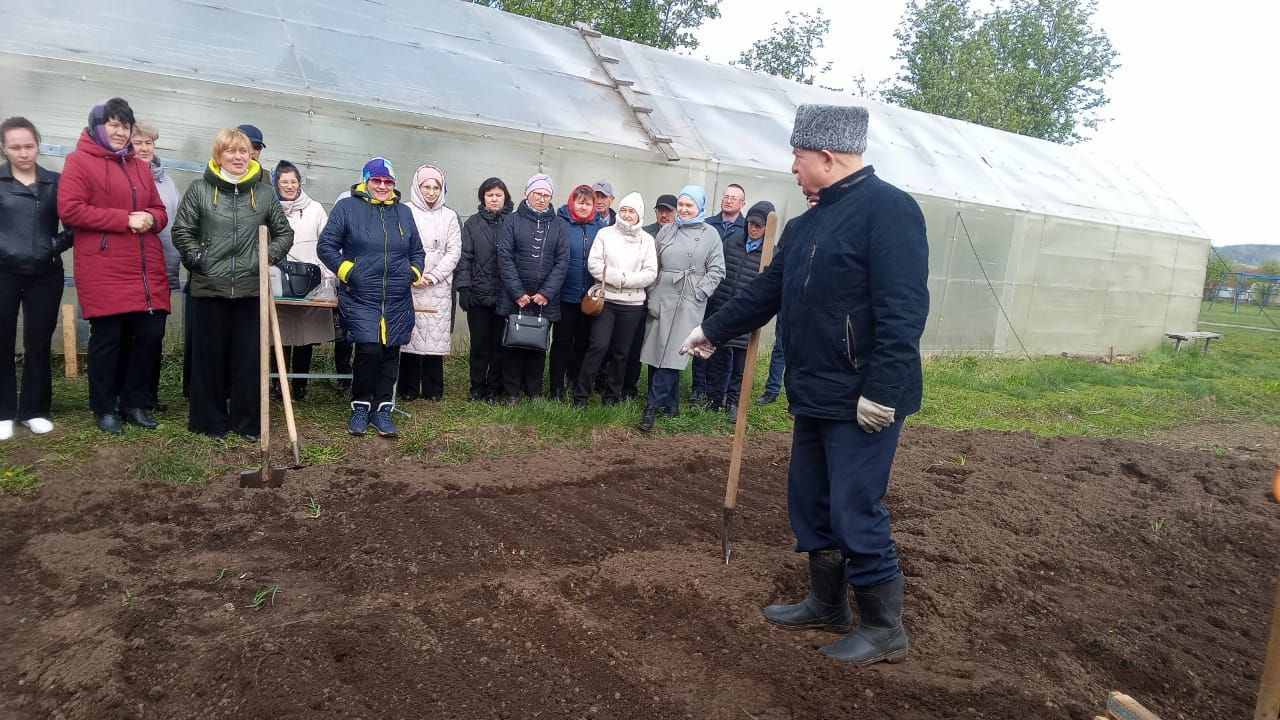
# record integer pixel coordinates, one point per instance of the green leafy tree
(665, 24)
(1033, 67)
(788, 50)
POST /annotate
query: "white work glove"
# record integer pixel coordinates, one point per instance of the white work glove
(872, 416)
(697, 344)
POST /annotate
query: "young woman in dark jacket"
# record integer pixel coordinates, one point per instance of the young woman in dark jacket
(217, 234)
(371, 242)
(110, 200)
(30, 277)
(533, 256)
(479, 287)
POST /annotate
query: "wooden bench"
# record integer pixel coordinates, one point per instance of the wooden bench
(1181, 337)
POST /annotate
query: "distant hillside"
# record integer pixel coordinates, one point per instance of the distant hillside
(1253, 255)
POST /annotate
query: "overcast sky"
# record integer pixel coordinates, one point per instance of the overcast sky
(1187, 103)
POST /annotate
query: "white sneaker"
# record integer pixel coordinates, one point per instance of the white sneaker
(6, 429)
(38, 426)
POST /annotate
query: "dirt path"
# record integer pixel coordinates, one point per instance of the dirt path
(1041, 574)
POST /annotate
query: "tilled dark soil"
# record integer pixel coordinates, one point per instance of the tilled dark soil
(588, 584)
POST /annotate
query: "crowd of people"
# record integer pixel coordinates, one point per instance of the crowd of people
(849, 287)
(618, 292)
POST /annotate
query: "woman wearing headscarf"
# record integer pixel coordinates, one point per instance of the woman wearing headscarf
(109, 198)
(624, 259)
(572, 333)
(31, 248)
(690, 266)
(371, 242)
(217, 234)
(479, 287)
(422, 360)
(301, 328)
(145, 136)
(533, 256)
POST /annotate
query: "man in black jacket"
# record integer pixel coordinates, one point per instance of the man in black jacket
(851, 282)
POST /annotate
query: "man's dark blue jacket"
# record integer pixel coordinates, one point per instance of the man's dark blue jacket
(851, 279)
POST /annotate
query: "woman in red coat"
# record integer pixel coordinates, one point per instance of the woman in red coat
(109, 198)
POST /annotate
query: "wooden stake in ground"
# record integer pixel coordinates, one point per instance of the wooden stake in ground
(286, 389)
(744, 403)
(69, 345)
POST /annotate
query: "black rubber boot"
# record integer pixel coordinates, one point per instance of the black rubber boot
(827, 606)
(880, 636)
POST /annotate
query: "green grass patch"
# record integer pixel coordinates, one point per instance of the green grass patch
(1238, 380)
(17, 480)
(175, 461)
(1223, 312)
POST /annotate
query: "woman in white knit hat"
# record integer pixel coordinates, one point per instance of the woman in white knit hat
(623, 257)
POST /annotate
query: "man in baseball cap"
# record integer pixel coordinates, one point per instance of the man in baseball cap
(256, 143)
(665, 209)
(604, 201)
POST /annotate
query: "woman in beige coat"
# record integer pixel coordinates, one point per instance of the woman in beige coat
(422, 360)
(301, 329)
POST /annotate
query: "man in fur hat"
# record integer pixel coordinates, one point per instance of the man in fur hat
(851, 282)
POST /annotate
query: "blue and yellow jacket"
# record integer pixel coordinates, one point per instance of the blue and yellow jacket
(374, 249)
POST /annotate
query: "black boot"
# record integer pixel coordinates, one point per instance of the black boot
(880, 636)
(108, 423)
(139, 417)
(647, 420)
(827, 606)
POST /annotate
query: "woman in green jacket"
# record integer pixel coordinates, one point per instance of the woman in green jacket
(217, 234)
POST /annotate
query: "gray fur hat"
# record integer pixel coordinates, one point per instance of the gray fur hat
(838, 128)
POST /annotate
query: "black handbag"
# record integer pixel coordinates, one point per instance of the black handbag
(298, 279)
(527, 332)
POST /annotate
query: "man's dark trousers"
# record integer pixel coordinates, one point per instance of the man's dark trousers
(838, 477)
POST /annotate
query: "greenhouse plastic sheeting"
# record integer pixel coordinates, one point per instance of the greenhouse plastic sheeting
(1032, 244)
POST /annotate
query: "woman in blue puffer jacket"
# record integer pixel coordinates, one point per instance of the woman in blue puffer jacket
(371, 243)
(572, 333)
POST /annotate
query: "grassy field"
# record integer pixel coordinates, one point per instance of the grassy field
(1252, 315)
(1238, 381)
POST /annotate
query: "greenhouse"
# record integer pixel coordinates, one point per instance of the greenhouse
(1033, 245)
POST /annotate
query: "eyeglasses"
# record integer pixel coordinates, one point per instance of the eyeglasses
(539, 195)
(382, 182)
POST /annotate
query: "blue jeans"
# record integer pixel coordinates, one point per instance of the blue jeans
(838, 477)
(777, 364)
(664, 389)
(699, 385)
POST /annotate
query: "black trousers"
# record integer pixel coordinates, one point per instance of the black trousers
(724, 374)
(486, 328)
(298, 360)
(374, 373)
(570, 336)
(421, 376)
(611, 336)
(38, 297)
(186, 340)
(224, 389)
(124, 350)
(342, 352)
(522, 371)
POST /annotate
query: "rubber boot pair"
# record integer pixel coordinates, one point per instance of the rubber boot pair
(879, 636)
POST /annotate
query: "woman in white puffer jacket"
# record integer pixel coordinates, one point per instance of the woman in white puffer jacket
(422, 360)
(624, 258)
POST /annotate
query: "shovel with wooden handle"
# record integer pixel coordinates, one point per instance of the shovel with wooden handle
(265, 475)
(744, 403)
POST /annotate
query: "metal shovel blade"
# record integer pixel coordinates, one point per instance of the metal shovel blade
(272, 477)
(726, 521)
